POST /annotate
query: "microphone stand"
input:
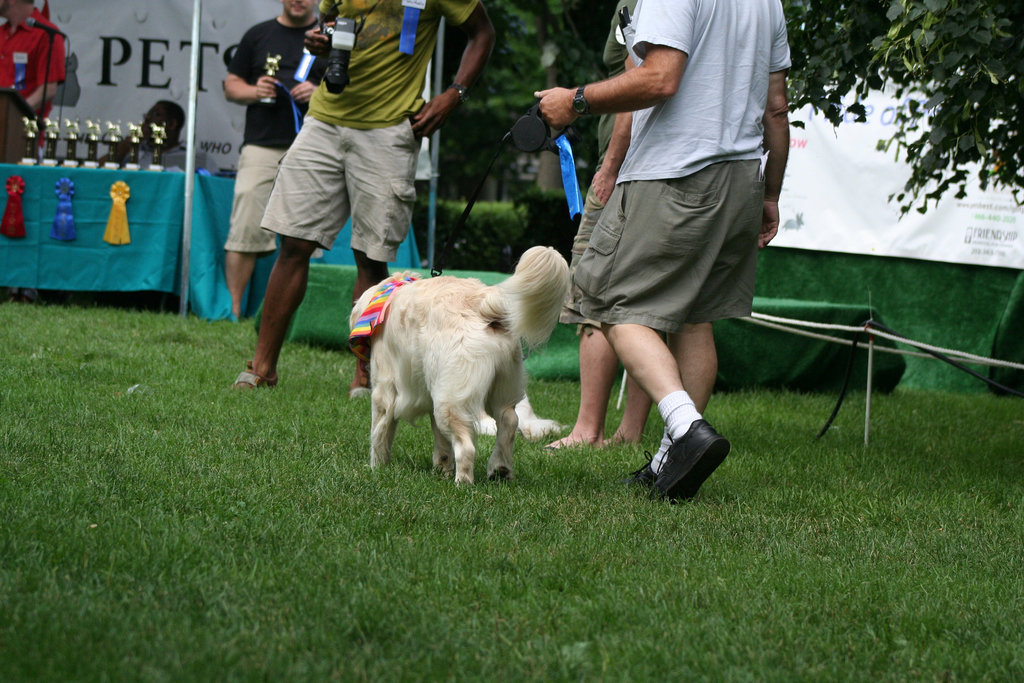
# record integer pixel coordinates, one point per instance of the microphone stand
(46, 80)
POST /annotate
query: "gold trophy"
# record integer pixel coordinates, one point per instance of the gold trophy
(71, 156)
(31, 141)
(270, 68)
(156, 138)
(112, 137)
(92, 142)
(52, 133)
(134, 140)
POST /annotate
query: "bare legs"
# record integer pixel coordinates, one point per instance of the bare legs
(688, 360)
(368, 274)
(238, 269)
(285, 290)
(598, 368)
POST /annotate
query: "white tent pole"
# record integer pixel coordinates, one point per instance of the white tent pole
(190, 156)
(435, 146)
(867, 403)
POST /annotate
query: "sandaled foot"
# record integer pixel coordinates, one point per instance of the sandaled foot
(248, 379)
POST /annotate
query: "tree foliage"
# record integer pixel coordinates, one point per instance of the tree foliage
(538, 43)
(956, 62)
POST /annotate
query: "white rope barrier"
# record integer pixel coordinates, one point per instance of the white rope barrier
(787, 324)
(792, 326)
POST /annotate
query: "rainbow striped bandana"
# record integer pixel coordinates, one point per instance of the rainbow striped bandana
(374, 314)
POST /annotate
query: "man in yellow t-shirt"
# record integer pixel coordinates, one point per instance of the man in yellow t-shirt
(356, 153)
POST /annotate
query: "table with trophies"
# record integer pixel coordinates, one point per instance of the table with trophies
(72, 223)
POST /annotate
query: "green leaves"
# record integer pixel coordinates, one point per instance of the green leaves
(959, 56)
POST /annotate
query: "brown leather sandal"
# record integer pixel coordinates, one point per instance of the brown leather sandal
(247, 379)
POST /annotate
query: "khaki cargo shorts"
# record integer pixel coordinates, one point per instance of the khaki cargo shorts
(257, 168)
(592, 208)
(331, 173)
(670, 252)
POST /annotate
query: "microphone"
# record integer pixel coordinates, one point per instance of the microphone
(49, 29)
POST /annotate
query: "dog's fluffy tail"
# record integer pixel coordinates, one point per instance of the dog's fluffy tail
(528, 303)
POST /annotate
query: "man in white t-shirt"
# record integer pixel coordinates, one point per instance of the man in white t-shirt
(697, 195)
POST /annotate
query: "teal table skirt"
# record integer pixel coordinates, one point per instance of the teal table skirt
(87, 263)
(152, 260)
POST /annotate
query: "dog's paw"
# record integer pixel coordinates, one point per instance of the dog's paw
(444, 464)
(537, 429)
(500, 473)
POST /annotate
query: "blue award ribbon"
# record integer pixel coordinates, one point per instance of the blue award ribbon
(64, 221)
(19, 76)
(569, 181)
(407, 41)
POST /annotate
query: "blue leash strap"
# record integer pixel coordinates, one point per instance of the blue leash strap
(569, 181)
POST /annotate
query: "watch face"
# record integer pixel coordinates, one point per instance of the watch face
(579, 104)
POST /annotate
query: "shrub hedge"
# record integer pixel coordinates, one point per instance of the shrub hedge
(496, 233)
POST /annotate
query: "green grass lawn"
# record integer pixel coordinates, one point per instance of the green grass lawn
(156, 525)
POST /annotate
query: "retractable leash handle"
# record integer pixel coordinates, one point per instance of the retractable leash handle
(532, 134)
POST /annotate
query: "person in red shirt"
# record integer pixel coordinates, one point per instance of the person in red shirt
(25, 52)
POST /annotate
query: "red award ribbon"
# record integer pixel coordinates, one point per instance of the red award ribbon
(13, 224)
(117, 224)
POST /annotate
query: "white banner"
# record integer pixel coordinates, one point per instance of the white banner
(835, 198)
(124, 56)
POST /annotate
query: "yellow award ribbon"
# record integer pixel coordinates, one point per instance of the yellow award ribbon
(117, 224)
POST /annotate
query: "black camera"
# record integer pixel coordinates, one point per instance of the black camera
(343, 39)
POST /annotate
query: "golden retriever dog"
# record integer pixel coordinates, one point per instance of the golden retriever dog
(452, 348)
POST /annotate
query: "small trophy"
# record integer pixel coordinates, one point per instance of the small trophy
(157, 136)
(71, 156)
(134, 140)
(31, 141)
(112, 137)
(92, 142)
(270, 68)
(51, 130)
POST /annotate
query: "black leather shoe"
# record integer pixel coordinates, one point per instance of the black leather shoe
(690, 461)
(644, 476)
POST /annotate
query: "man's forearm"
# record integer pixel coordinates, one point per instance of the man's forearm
(651, 83)
(776, 136)
(480, 38)
(35, 98)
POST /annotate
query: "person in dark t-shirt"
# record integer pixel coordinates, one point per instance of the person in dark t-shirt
(275, 105)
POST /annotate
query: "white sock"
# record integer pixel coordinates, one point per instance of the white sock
(679, 412)
(659, 458)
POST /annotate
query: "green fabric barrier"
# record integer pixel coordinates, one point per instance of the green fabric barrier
(749, 355)
(943, 304)
(1009, 339)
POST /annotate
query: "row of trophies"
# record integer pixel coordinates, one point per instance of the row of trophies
(111, 137)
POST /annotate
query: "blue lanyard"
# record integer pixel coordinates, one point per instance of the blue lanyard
(296, 114)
